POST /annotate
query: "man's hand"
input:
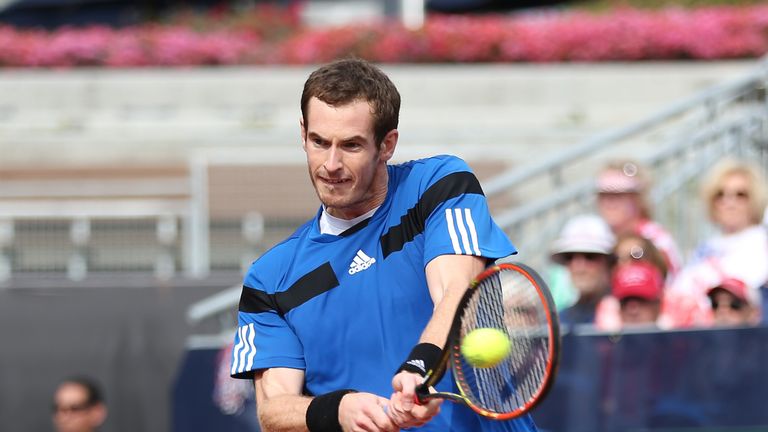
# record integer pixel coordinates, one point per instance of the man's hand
(365, 412)
(403, 409)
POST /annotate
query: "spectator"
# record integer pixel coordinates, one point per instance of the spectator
(622, 188)
(585, 248)
(633, 246)
(639, 287)
(734, 303)
(735, 197)
(78, 406)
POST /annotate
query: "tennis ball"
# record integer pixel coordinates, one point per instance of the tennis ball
(485, 347)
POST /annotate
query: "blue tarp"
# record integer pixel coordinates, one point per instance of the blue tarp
(655, 381)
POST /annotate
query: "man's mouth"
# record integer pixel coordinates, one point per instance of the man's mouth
(332, 181)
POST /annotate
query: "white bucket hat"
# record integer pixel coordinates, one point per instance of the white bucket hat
(584, 234)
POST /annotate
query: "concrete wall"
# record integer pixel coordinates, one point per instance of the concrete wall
(158, 116)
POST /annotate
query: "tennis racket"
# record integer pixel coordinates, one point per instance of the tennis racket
(512, 298)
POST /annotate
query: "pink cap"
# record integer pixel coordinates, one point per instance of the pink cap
(616, 181)
(735, 286)
(637, 279)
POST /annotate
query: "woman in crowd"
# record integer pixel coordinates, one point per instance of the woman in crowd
(735, 197)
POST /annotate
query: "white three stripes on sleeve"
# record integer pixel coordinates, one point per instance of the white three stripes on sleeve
(244, 350)
(464, 227)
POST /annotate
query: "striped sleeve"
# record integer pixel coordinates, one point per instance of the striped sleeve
(460, 222)
(263, 339)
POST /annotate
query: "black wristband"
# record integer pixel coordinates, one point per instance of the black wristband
(323, 412)
(423, 358)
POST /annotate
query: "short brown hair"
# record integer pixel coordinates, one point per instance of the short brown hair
(349, 80)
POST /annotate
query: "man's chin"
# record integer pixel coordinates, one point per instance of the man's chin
(333, 202)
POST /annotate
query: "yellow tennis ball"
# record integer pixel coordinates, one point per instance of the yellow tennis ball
(485, 347)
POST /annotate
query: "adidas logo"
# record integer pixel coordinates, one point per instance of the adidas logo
(361, 262)
(418, 364)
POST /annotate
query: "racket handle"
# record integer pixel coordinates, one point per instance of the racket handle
(421, 396)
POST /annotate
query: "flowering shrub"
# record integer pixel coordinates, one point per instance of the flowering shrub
(619, 35)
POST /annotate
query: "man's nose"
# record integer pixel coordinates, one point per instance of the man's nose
(333, 160)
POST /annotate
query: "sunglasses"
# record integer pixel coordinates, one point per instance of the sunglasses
(733, 304)
(589, 256)
(738, 194)
(69, 409)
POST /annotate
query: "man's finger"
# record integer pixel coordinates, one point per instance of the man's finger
(424, 413)
(395, 410)
(382, 418)
(409, 391)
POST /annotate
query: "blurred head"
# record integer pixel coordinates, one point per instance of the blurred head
(733, 304)
(621, 195)
(78, 406)
(585, 247)
(634, 247)
(349, 132)
(638, 285)
(735, 194)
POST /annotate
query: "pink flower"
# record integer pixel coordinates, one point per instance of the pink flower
(273, 35)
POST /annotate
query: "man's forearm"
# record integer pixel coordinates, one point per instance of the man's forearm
(286, 413)
(436, 331)
(448, 277)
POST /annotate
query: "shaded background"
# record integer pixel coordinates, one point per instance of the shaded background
(131, 338)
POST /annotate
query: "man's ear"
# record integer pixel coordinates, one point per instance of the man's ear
(99, 414)
(303, 133)
(388, 145)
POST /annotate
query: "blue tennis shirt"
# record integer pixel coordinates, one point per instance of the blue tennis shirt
(348, 308)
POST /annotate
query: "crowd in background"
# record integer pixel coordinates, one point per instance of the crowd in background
(625, 270)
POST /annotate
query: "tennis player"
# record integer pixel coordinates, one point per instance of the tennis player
(341, 321)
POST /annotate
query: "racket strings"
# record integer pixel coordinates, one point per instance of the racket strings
(507, 301)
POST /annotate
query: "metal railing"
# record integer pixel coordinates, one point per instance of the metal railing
(677, 143)
(77, 226)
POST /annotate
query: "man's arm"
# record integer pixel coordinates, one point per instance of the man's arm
(279, 402)
(282, 408)
(448, 277)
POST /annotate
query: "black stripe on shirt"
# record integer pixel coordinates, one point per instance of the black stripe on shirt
(412, 223)
(355, 228)
(309, 286)
(255, 301)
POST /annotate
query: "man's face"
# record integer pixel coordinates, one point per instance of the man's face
(637, 311)
(619, 210)
(71, 411)
(589, 272)
(346, 166)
